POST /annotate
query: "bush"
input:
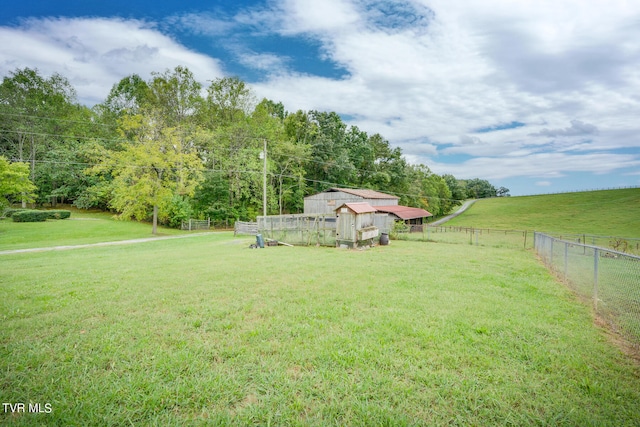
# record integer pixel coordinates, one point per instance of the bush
(8, 213)
(399, 227)
(176, 211)
(29, 216)
(58, 214)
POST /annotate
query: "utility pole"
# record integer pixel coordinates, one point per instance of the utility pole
(264, 180)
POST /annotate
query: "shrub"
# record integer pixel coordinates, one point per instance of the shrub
(399, 227)
(58, 214)
(176, 211)
(29, 216)
(8, 213)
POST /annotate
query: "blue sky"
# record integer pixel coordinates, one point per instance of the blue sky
(537, 96)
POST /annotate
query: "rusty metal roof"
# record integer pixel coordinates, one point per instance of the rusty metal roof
(404, 212)
(364, 193)
(358, 207)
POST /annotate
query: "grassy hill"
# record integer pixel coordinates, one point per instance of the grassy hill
(606, 212)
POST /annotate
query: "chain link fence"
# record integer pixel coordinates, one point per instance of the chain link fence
(609, 279)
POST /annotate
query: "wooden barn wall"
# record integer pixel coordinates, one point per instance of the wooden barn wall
(324, 203)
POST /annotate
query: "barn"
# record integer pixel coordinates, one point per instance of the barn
(413, 217)
(328, 201)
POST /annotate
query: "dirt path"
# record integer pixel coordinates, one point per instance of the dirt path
(463, 208)
(90, 245)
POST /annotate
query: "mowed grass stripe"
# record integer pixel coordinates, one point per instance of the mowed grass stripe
(208, 331)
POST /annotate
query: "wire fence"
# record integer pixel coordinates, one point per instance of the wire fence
(196, 224)
(299, 229)
(629, 245)
(608, 278)
(466, 235)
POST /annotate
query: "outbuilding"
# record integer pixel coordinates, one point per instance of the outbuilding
(329, 200)
(355, 225)
(413, 217)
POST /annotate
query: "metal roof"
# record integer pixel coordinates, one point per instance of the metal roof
(358, 207)
(366, 194)
(404, 212)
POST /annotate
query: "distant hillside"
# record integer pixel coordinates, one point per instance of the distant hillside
(606, 212)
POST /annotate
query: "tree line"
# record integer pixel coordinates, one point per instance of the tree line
(168, 149)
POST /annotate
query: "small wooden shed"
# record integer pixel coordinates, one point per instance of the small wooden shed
(355, 225)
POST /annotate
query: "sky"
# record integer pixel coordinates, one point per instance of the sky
(537, 96)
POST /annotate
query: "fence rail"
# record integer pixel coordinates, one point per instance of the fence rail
(244, 228)
(608, 278)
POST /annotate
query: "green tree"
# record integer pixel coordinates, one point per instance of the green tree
(480, 188)
(35, 113)
(14, 181)
(503, 192)
(458, 188)
(150, 171)
(176, 96)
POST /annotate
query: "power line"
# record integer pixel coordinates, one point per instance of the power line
(244, 171)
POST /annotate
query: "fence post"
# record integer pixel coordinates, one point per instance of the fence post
(551, 254)
(566, 260)
(596, 257)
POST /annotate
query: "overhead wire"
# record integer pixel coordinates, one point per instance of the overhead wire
(299, 158)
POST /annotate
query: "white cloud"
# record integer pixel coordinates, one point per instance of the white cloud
(426, 74)
(543, 165)
(96, 53)
(566, 69)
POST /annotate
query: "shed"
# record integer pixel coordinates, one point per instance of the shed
(355, 226)
(327, 201)
(413, 217)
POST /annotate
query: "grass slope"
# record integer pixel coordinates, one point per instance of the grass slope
(206, 331)
(607, 212)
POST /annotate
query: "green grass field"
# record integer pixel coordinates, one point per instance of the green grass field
(82, 228)
(605, 213)
(204, 331)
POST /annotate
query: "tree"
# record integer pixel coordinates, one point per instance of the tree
(503, 192)
(150, 171)
(480, 188)
(457, 188)
(229, 100)
(33, 117)
(176, 95)
(14, 181)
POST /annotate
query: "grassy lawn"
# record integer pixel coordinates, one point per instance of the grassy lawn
(82, 228)
(606, 213)
(206, 331)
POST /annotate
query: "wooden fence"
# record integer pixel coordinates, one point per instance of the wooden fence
(245, 228)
